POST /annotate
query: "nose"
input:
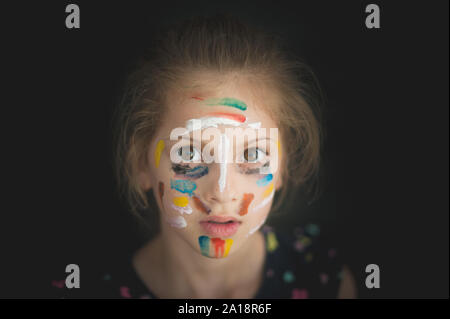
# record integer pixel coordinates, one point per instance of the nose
(221, 188)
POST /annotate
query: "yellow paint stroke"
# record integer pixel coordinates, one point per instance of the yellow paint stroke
(158, 151)
(268, 190)
(309, 257)
(181, 201)
(272, 242)
(279, 150)
(228, 243)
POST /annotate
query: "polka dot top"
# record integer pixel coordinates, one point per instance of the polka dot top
(298, 265)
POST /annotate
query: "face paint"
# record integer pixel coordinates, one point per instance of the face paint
(224, 147)
(183, 186)
(181, 201)
(227, 102)
(203, 241)
(245, 203)
(200, 205)
(221, 246)
(268, 190)
(158, 152)
(161, 190)
(177, 222)
(235, 117)
(254, 229)
(251, 171)
(265, 180)
(209, 121)
(188, 172)
(264, 202)
(182, 210)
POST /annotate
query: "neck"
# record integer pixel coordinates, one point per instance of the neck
(190, 273)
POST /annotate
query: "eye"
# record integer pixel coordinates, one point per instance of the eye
(189, 153)
(253, 155)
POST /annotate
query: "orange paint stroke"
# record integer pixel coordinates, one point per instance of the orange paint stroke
(161, 190)
(219, 248)
(200, 206)
(245, 203)
(232, 116)
(198, 98)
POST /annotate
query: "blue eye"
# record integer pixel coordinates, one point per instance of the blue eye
(253, 155)
(189, 153)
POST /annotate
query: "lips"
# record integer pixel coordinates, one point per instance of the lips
(221, 226)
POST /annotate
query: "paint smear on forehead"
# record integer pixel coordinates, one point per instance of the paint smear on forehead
(215, 121)
(227, 101)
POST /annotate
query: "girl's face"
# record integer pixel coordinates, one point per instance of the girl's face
(214, 187)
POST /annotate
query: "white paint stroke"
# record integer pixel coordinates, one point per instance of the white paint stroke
(213, 121)
(224, 149)
(265, 201)
(177, 222)
(254, 229)
(182, 210)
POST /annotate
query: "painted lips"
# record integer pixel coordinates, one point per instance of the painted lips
(220, 226)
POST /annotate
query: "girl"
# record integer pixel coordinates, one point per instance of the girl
(190, 149)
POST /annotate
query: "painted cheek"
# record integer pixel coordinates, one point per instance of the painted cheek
(161, 190)
(264, 180)
(201, 206)
(158, 151)
(246, 201)
(268, 191)
(181, 201)
(183, 186)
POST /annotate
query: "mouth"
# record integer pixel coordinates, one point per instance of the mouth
(220, 226)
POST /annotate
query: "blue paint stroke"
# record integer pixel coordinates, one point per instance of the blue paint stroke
(203, 241)
(197, 172)
(183, 186)
(265, 180)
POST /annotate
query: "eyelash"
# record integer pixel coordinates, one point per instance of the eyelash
(244, 158)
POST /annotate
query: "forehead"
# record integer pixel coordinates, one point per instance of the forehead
(234, 96)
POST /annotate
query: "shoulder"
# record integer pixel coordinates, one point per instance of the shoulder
(306, 259)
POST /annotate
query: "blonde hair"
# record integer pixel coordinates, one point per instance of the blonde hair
(223, 44)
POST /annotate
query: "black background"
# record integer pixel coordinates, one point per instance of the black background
(386, 152)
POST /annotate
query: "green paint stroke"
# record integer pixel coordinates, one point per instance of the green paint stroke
(227, 101)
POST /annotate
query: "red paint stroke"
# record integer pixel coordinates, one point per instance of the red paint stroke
(232, 116)
(200, 206)
(198, 98)
(245, 203)
(161, 190)
(219, 246)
